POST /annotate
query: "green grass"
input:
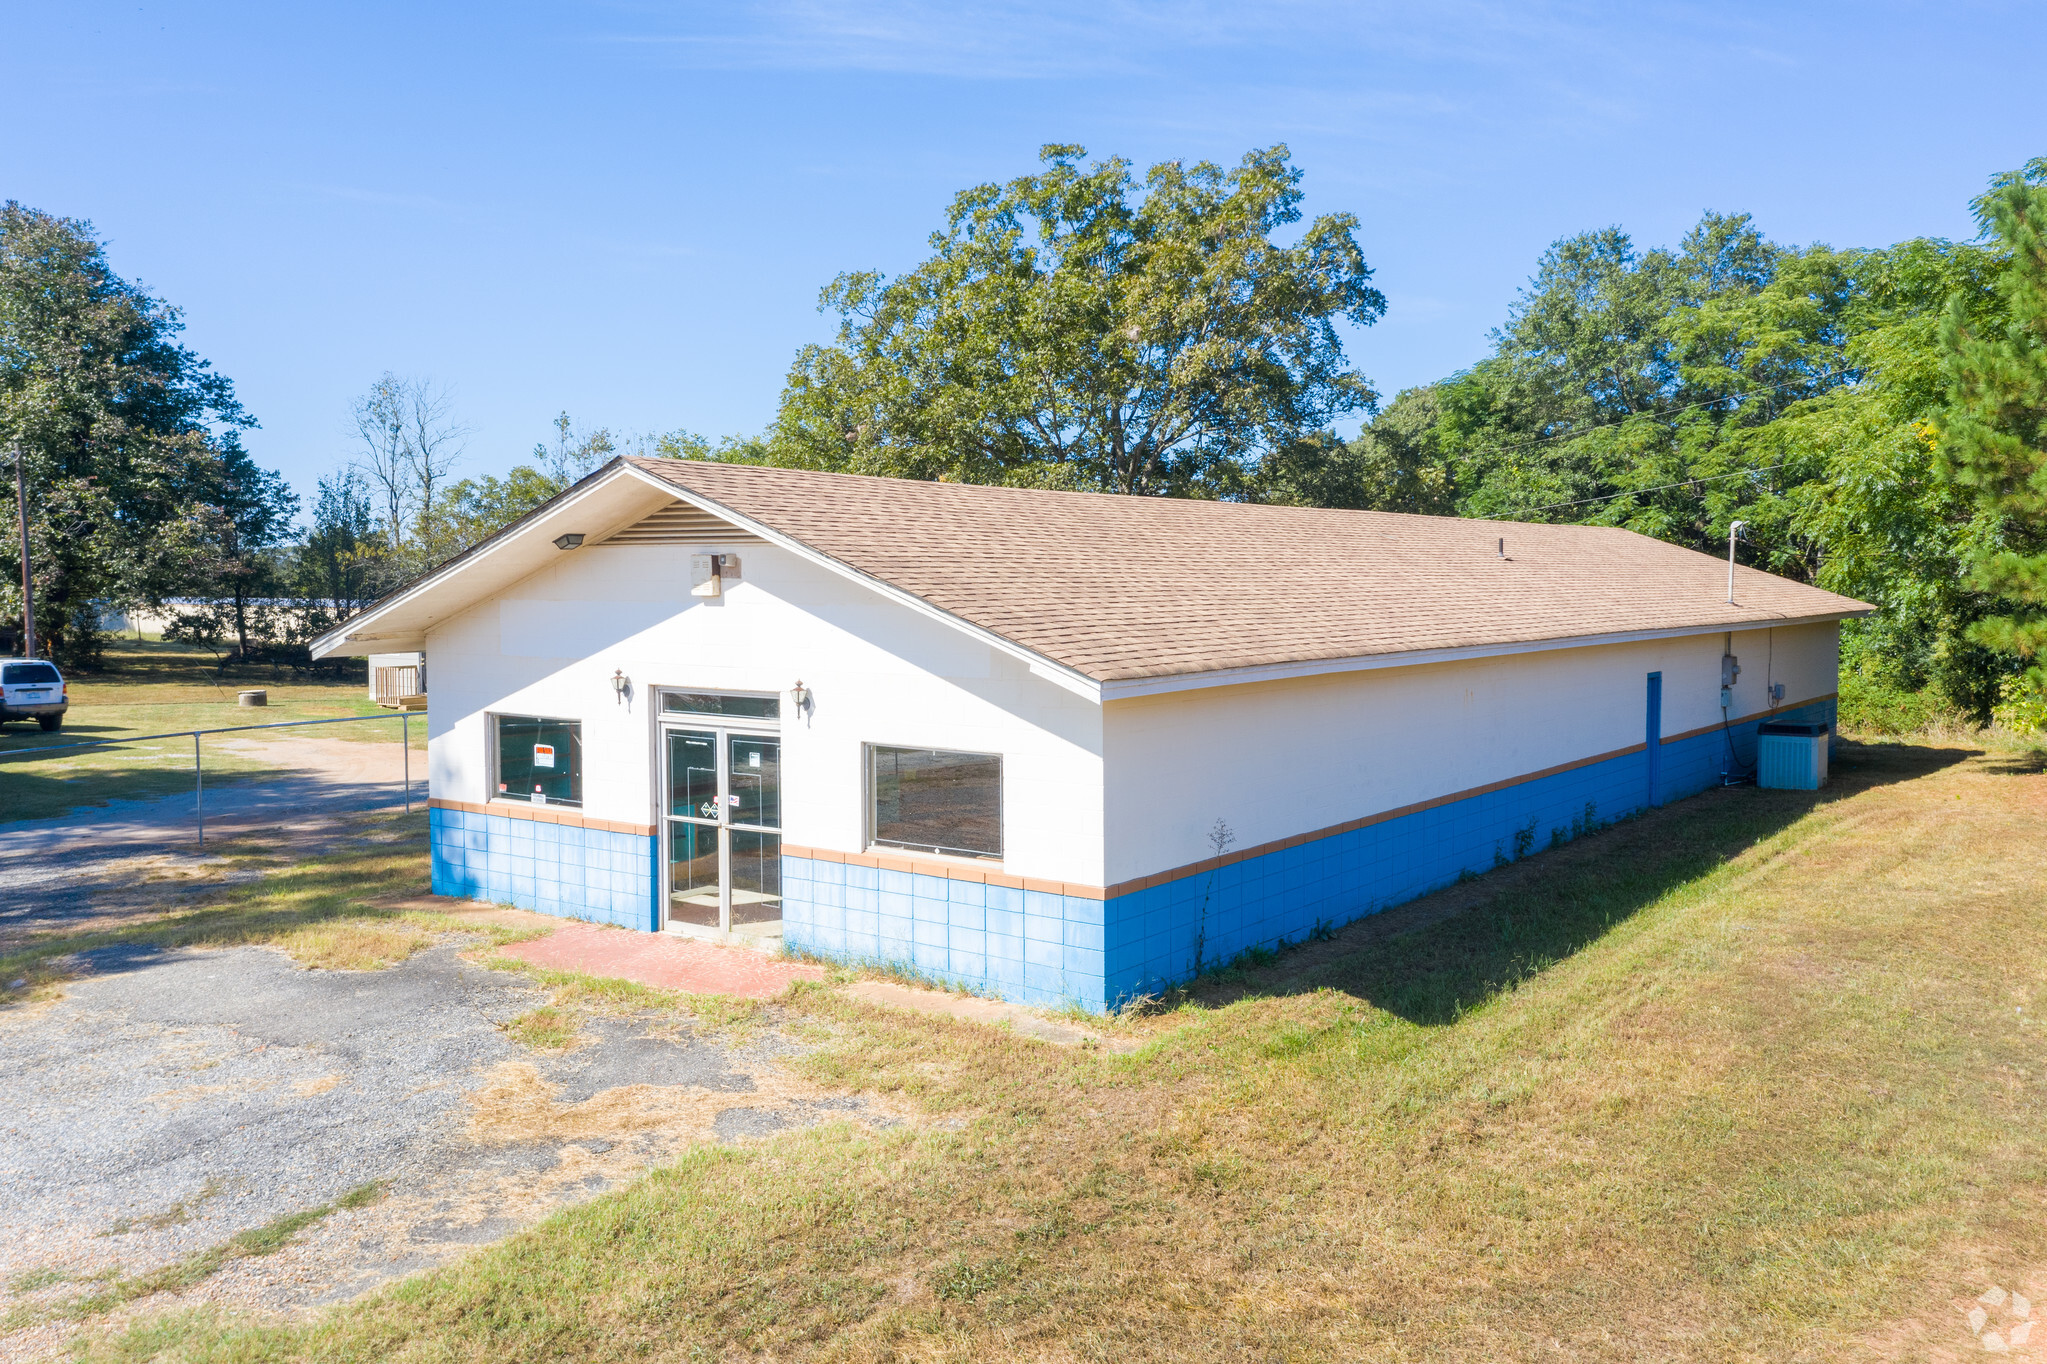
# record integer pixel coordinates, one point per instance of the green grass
(1754, 1077)
(153, 688)
(547, 1028)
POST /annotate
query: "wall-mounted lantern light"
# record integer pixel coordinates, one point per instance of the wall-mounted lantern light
(569, 541)
(799, 697)
(621, 685)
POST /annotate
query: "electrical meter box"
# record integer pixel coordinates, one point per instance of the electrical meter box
(1791, 757)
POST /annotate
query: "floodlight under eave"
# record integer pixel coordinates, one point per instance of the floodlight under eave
(569, 541)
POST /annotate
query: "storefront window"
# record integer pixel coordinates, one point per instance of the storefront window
(934, 801)
(539, 760)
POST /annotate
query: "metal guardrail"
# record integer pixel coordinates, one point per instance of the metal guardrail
(404, 719)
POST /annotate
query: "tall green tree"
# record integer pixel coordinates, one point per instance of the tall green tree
(338, 563)
(1884, 523)
(1070, 330)
(1993, 441)
(1622, 385)
(238, 580)
(122, 429)
(1394, 464)
(473, 509)
(1674, 391)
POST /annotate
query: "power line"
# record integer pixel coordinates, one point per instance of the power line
(1661, 487)
(1688, 407)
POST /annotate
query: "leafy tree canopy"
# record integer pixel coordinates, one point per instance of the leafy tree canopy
(1994, 437)
(128, 437)
(1071, 331)
(1675, 391)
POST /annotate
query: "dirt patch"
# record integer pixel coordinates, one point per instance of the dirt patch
(516, 1104)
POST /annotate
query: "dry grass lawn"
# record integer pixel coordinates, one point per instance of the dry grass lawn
(1759, 1077)
(149, 687)
(320, 910)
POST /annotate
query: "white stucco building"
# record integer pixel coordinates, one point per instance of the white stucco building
(993, 734)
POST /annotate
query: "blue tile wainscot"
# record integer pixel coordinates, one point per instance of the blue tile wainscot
(553, 861)
(1056, 945)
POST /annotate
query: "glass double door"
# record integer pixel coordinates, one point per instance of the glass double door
(724, 820)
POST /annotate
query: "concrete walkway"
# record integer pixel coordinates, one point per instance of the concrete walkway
(659, 959)
(673, 962)
(665, 961)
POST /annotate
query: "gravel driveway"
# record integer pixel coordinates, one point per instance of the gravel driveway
(170, 1100)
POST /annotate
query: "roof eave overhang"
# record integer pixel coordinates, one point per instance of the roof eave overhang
(381, 627)
(1127, 688)
(1072, 679)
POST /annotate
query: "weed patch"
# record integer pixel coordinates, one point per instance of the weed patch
(178, 1213)
(962, 1280)
(194, 1269)
(352, 944)
(545, 1029)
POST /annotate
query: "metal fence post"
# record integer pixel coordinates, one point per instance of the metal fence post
(199, 760)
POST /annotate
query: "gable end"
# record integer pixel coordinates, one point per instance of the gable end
(680, 523)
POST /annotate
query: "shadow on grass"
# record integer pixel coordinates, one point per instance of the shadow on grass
(34, 736)
(1435, 958)
(2031, 763)
(39, 796)
(388, 860)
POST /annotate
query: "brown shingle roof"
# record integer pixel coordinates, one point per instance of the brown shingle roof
(1139, 587)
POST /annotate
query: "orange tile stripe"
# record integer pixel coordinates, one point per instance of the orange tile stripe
(1280, 845)
(544, 814)
(957, 871)
(964, 871)
(1759, 715)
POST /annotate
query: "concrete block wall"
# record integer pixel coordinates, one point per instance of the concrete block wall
(1279, 897)
(1053, 949)
(1046, 949)
(600, 875)
(1031, 946)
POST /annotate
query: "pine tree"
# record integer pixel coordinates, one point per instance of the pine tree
(1994, 437)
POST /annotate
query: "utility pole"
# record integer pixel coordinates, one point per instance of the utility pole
(28, 586)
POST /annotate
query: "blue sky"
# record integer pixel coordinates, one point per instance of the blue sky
(626, 210)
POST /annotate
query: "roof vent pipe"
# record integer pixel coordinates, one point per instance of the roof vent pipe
(1503, 546)
(1733, 533)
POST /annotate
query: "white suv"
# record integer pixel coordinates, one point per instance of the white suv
(31, 689)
